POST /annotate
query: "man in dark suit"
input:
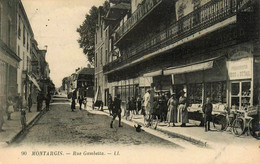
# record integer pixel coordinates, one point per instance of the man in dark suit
(207, 110)
(116, 110)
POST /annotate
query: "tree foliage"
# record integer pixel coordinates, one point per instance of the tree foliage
(87, 30)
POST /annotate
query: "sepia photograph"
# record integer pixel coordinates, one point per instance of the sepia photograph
(130, 81)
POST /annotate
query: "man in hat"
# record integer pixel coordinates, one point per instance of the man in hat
(116, 110)
(207, 110)
(182, 109)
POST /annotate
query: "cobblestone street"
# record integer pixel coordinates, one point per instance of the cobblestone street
(60, 126)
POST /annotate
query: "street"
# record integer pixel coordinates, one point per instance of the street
(61, 126)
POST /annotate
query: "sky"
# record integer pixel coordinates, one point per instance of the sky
(54, 23)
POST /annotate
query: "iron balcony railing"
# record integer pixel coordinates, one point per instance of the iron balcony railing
(136, 17)
(207, 15)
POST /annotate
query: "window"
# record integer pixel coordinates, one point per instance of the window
(106, 57)
(195, 93)
(101, 55)
(27, 43)
(19, 27)
(96, 59)
(216, 91)
(241, 95)
(23, 35)
(9, 33)
(23, 61)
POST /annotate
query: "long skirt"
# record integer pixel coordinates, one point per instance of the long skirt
(182, 114)
(172, 114)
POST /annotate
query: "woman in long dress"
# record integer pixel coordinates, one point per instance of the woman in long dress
(182, 110)
(172, 110)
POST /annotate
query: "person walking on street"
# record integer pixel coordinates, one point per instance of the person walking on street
(39, 102)
(85, 103)
(30, 102)
(73, 104)
(127, 108)
(172, 110)
(163, 108)
(138, 104)
(80, 101)
(132, 108)
(116, 111)
(182, 110)
(47, 101)
(207, 110)
(109, 103)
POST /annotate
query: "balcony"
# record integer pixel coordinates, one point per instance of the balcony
(143, 10)
(204, 17)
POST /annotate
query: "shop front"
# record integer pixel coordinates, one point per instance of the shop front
(199, 81)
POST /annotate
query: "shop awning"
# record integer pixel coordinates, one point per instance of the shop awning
(152, 74)
(189, 68)
(33, 80)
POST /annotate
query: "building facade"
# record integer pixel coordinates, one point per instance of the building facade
(204, 47)
(24, 37)
(9, 59)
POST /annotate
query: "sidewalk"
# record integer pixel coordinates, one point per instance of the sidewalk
(196, 134)
(12, 128)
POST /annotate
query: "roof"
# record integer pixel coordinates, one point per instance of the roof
(87, 71)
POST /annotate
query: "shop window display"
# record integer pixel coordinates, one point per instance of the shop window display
(216, 91)
(195, 93)
(241, 95)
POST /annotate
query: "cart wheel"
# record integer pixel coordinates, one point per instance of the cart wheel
(238, 127)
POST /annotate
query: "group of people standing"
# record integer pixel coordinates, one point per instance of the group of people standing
(81, 100)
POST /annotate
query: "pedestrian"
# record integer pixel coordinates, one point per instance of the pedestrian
(127, 108)
(23, 118)
(132, 108)
(139, 104)
(9, 107)
(1, 117)
(109, 103)
(182, 115)
(80, 101)
(207, 110)
(30, 102)
(47, 101)
(116, 111)
(85, 102)
(19, 102)
(73, 104)
(39, 102)
(146, 103)
(172, 110)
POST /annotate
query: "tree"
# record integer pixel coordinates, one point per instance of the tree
(87, 31)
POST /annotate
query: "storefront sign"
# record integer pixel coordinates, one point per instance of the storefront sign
(240, 66)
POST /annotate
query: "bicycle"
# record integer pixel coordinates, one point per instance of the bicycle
(244, 123)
